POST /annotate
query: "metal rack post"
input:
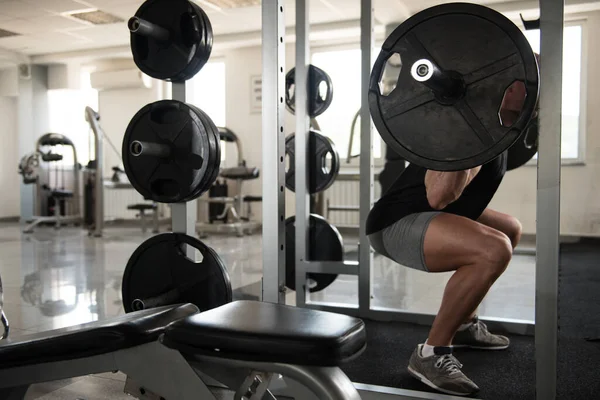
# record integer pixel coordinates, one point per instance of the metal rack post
(302, 127)
(273, 150)
(365, 253)
(548, 198)
(184, 215)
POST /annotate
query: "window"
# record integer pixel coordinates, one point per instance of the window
(66, 108)
(343, 66)
(207, 91)
(572, 115)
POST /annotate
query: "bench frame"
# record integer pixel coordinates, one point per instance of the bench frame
(158, 369)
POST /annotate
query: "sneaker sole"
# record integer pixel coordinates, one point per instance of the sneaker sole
(433, 386)
(468, 346)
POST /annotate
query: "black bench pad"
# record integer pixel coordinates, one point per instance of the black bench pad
(91, 339)
(243, 173)
(266, 332)
(142, 207)
(61, 194)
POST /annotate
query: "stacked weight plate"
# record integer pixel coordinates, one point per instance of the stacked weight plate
(171, 154)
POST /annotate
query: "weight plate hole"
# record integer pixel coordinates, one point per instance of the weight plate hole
(512, 103)
(287, 163)
(192, 254)
(165, 188)
(390, 74)
(326, 162)
(165, 114)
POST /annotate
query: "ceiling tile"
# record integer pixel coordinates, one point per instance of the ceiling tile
(20, 43)
(20, 9)
(58, 6)
(41, 24)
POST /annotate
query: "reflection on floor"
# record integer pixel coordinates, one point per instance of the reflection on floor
(54, 279)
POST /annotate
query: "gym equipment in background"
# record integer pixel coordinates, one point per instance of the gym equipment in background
(320, 91)
(324, 244)
(160, 273)
(443, 113)
(393, 167)
(232, 217)
(171, 152)
(93, 192)
(525, 148)
(323, 162)
(170, 41)
(56, 191)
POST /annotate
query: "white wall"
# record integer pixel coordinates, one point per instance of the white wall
(241, 65)
(580, 186)
(9, 206)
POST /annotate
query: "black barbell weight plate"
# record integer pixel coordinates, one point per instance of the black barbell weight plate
(324, 244)
(159, 273)
(525, 148)
(187, 48)
(191, 154)
(215, 155)
(318, 177)
(484, 53)
(317, 105)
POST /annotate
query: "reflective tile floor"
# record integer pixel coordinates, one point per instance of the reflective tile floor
(54, 279)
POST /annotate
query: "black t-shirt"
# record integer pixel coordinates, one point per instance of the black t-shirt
(408, 195)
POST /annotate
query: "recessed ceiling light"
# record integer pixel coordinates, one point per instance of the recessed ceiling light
(224, 4)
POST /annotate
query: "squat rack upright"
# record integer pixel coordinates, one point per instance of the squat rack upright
(273, 147)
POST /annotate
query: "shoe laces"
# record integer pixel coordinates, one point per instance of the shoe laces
(480, 326)
(448, 363)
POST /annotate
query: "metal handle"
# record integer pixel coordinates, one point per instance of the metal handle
(142, 27)
(436, 79)
(164, 299)
(139, 148)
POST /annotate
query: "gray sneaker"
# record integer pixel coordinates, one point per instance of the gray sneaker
(441, 372)
(477, 336)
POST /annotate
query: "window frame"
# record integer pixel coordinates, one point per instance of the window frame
(343, 153)
(582, 134)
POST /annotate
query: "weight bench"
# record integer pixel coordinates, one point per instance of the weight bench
(251, 346)
(141, 208)
(126, 343)
(58, 195)
(240, 222)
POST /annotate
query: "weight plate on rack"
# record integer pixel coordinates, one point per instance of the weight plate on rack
(159, 273)
(182, 45)
(209, 179)
(323, 162)
(320, 91)
(324, 244)
(170, 152)
(481, 53)
(525, 148)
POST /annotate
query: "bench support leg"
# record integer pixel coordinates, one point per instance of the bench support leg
(162, 371)
(326, 383)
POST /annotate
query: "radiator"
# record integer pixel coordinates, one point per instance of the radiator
(343, 199)
(116, 202)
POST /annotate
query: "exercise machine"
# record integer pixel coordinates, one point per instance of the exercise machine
(57, 198)
(233, 216)
(94, 177)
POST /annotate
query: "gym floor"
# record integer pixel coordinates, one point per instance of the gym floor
(53, 279)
